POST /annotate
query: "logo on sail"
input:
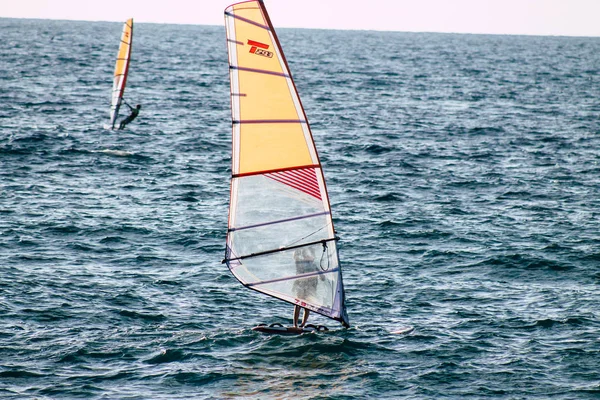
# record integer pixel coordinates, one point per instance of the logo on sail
(260, 49)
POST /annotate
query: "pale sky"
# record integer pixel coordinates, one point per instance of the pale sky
(529, 17)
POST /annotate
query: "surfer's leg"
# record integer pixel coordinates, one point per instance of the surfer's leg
(296, 315)
(304, 318)
(124, 122)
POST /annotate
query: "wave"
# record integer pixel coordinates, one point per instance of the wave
(116, 153)
(19, 373)
(142, 316)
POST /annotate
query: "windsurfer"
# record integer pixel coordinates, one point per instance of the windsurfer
(134, 113)
(304, 287)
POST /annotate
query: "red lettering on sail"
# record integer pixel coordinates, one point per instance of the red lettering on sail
(259, 49)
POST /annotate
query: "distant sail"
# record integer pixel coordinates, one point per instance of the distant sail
(281, 240)
(121, 71)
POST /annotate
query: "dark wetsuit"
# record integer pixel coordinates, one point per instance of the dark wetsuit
(134, 113)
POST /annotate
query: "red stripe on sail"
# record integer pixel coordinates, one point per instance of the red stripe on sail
(304, 180)
(298, 184)
(258, 44)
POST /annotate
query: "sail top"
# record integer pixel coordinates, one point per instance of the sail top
(265, 101)
(281, 240)
(121, 70)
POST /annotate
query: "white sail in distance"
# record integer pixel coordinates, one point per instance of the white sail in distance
(121, 71)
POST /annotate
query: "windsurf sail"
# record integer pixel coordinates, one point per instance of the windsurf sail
(280, 239)
(121, 71)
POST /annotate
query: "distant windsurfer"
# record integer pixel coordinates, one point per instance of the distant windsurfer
(305, 287)
(134, 113)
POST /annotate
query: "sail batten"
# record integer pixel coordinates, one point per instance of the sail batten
(270, 121)
(280, 240)
(239, 228)
(121, 71)
(288, 278)
(259, 71)
(270, 171)
(246, 20)
(262, 253)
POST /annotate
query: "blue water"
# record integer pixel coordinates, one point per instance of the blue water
(464, 179)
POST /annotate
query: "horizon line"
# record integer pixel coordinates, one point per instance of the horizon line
(312, 28)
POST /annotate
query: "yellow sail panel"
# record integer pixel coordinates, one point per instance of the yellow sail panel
(266, 147)
(124, 49)
(273, 133)
(256, 48)
(265, 97)
(249, 10)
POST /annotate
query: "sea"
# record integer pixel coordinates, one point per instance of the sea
(464, 178)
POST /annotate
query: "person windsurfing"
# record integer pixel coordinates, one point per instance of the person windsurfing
(134, 113)
(305, 287)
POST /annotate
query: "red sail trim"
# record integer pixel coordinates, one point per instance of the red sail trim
(305, 181)
(270, 171)
(309, 181)
(305, 177)
(269, 121)
(258, 44)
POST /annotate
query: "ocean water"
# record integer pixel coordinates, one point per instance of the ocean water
(464, 179)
